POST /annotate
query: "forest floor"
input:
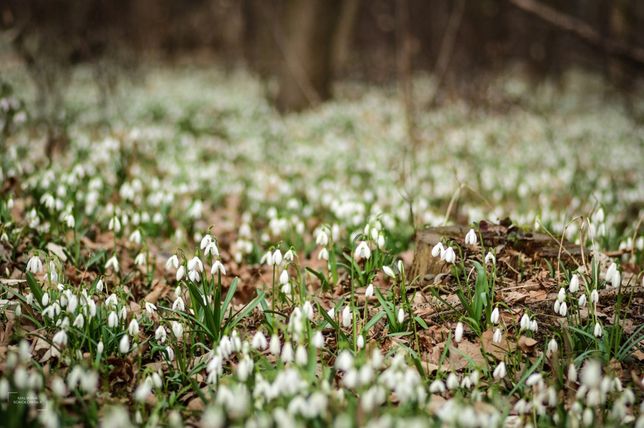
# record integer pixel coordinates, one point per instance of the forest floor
(190, 257)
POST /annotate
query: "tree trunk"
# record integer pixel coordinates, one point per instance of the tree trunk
(306, 46)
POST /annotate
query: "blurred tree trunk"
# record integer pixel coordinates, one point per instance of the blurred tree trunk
(344, 34)
(618, 30)
(306, 45)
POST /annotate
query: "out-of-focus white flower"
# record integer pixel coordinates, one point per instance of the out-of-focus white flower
(172, 262)
(389, 271)
(360, 342)
(259, 341)
(346, 316)
(124, 344)
(458, 333)
(277, 257)
(135, 237)
(574, 284)
(112, 263)
(318, 340)
(34, 265)
(497, 336)
(369, 291)
(275, 345)
(323, 254)
(401, 315)
(139, 260)
(499, 371)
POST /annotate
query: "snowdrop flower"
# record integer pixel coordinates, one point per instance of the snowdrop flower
(79, 321)
(135, 237)
(449, 255)
(133, 328)
(499, 371)
(181, 272)
(437, 387)
(323, 254)
(574, 284)
(34, 265)
(458, 333)
(212, 249)
(100, 347)
(470, 238)
(534, 327)
(140, 260)
(195, 264)
(525, 322)
(360, 342)
(287, 353)
(582, 301)
(616, 279)
(318, 340)
(259, 341)
(267, 258)
(572, 373)
(112, 320)
(124, 344)
(322, 238)
(438, 250)
(45, 299)
(143, 391)
(112, 263)
(362, 251)
(594, 297)
(60, 338)
(160, 334)
(194, 276)
(389, 272)
(70, 222)
(369, 291)
(114, 224)
(452, 381)
(490, 259)
(301, 356)
(150, 308)
(331, 312)
(178, 304)
(494, 317)
(498, 336)
(401, 315)
(346, 316)
(591, 374)
(598, 331)
(170, 353)
(177, 329)
(99, 286)
(277, 257)
(308, 311)
(172, 262)
(344, 361)
(275, 345)
(284, 277)
(612, 269)
(205, 241)
(218, 267)
(563, 309)
(552, 346)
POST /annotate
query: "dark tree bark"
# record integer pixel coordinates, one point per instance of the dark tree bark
(307, 49)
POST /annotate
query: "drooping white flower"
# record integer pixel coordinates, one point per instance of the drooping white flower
(389, 272)
(160, 334)
(287, 352)
(470, 238)
(573, 287)
(401, 315)
(362, 251)
(346, 316)
(259, 341)
(195, 264)
(499, 371)
(60, 338)
(218, 267)
(139, 260)
(318, 340)
(124, 344)
(494, 317)
(553, 346)
(172, 262)
(490, 259)
(143, 391)
(150, 307)
(360, 342)
(277, 257)
(112, 320)
(438, 250)
(322, 238)
(323, 254)
(135, 237)
(369, 291)
(598, 331)
(449, 255)
(133, 328)
(437, 387)
(205, 241)
(275, 345)
(34, 265)
(458, 332)
(498, 336)
(594, 296)
(177, 329)
(112, 263)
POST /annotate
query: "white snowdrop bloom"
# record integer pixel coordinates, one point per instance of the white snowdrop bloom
(170, 353)
(100, 347)
(124, 344)
(346, 316)
(380, 241)
(143, 391)
(89, 382)
(470, 238)
(112, 320)
(267, 258)
(205, 241)
(157, 382)
(362, 251)
(308, 311)
(582, 301)
(594, 297)
(212, 249)
(449, 255)
(572, 373)
(218, 267)
(323, 254)
(111, 300)
(322, 238)
(344, 361)
(563, 309)
(286, 288)
(150, 307)
(79, 321)
(499, 371)
(112, 263)
(195, 264)
(389, 272)
(139, 260)
(494, 317)
(437, 387)
(369, 291)
(58, 387)
(45, 299)
(160, 334)
(616, 279)
(194, 276)
(553, 346)
(525, 322)
(289, 255)
(498, 336)
(275, 345)
(34, 265)
(21, 378)
(331, 312)
(598, 331)
(259, 341)
(318, 340)
(360, 342)
(458, 333)
(438, 250)
(277, 257)
(177, 329)
(284, 277)
(610, 271)
(350, 378)
(452, 381)
(70, 222)
(172, 262)
(591, 374)
(133, 328)
(534, 379)
(114, 224)
(490, 259)
(244, 368)
(376, 359)
(178, 304)
(287, 352)
(301, 356)
(573, 287)
(135, 237)
(181, 272)
(401, 315)
(534, 327)
(99, 286)
(60, 338)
